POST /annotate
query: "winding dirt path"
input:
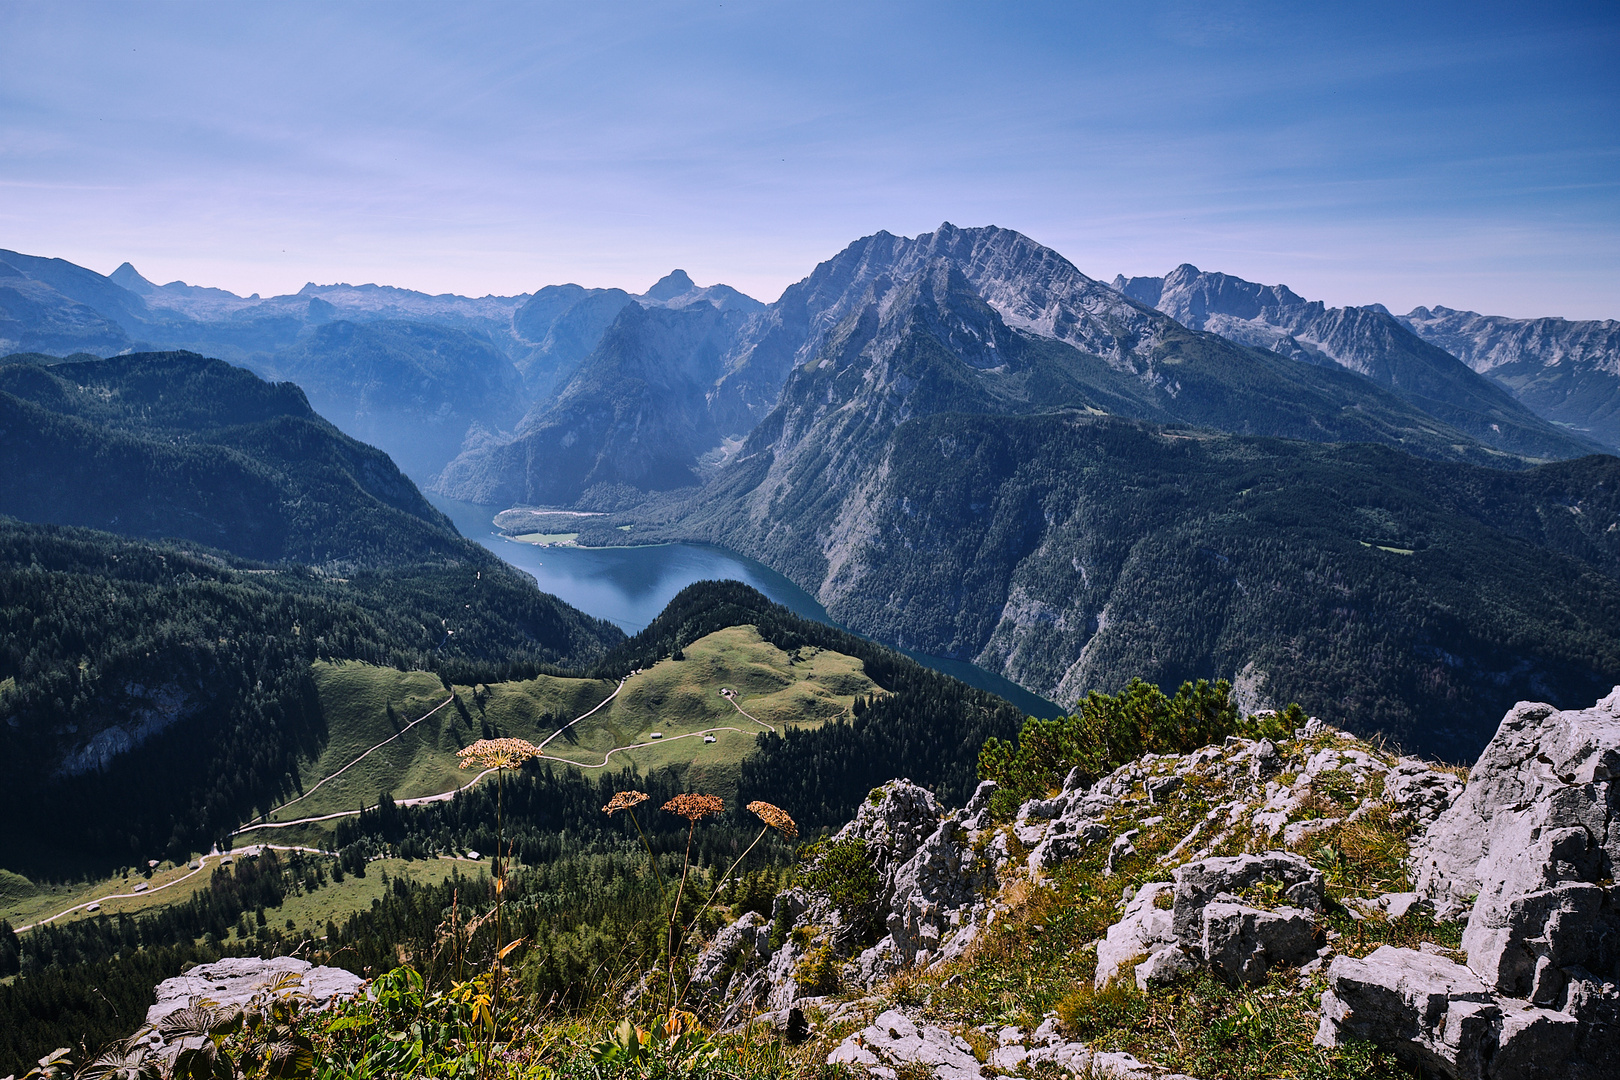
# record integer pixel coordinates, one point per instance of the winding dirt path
(362, 757)
(643, 745)
(443, 796)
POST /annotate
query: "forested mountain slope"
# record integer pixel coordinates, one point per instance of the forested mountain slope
(412, 389)
(634, 417)
(175, 445)
(152, 695)
(1366, 340)
(1565, 370)
(907, 482)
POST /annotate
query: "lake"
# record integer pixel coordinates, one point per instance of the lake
(629, 586)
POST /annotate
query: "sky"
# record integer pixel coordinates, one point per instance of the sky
(1408, 153)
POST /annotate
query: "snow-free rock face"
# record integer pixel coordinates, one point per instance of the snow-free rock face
(1367, 340)
(1211, 915)
(235, 981)
(1531, 845)
(894, 1041)
(1543, 770)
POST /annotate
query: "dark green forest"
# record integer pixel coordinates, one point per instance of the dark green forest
(172, 445)
(208, 656)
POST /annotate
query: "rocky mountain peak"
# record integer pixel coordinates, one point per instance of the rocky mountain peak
(672, 284)
(939, 300)
(1190, 296)
(126, 276)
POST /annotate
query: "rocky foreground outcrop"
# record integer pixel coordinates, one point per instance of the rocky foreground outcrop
(1528, 854)
(234, 982)
(1525, 852)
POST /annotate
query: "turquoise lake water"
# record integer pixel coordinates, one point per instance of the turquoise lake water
(629, 586)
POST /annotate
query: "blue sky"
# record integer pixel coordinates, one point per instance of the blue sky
(1408, 153)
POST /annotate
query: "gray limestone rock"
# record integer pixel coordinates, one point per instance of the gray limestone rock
(1429, 1011)
(1242, 943)
(1536, 834)
(1161, 787)
(1419, 792)
(735, 950)
(1199, 883)
(1166, 965)
(894, 1040)
(1528, 850)
(235, 981)
(1143, 931)
(1440, 1016)
(1544, 769)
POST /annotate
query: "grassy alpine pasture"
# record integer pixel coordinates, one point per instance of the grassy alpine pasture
(24, 902)
(310, 911)
(365, 705)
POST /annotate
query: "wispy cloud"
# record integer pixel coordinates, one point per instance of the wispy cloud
(1393, 152)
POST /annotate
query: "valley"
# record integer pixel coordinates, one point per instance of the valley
(238, 626)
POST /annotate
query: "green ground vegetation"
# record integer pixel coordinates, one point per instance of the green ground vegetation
(207, 660)
(1039, 956)
(681, 700)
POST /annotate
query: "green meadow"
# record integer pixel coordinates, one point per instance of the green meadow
(413, 727)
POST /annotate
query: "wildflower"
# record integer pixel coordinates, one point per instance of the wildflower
(775, 817)
(497, 753)
(624, 800)
(694, 807)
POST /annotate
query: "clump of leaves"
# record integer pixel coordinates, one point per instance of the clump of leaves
(843, 871)
(1107, 732)
(817, 971)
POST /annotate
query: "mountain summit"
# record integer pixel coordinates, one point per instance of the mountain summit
(1366, 340)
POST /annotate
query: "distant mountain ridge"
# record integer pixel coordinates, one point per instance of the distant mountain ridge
(1566, 371)
(1142, 363)
(157, 445)
(1367, 340)
(1070, 550)
(633, 417)
(419, 375)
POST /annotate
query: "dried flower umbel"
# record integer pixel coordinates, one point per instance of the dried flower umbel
(498, 754)
(694, 808)
(624, 800)
(774, 817)
(629, 800)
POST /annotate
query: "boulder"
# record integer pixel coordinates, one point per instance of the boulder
(1528, 851)
(1536, 835)
(236, 981)
(1144, 930)
(1429, 1011)
(1439, 1016)
(1206, 923)
(1544, 769)
(1242, 943)
(894, 1041)
(1419, 792)
(1199, 883)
